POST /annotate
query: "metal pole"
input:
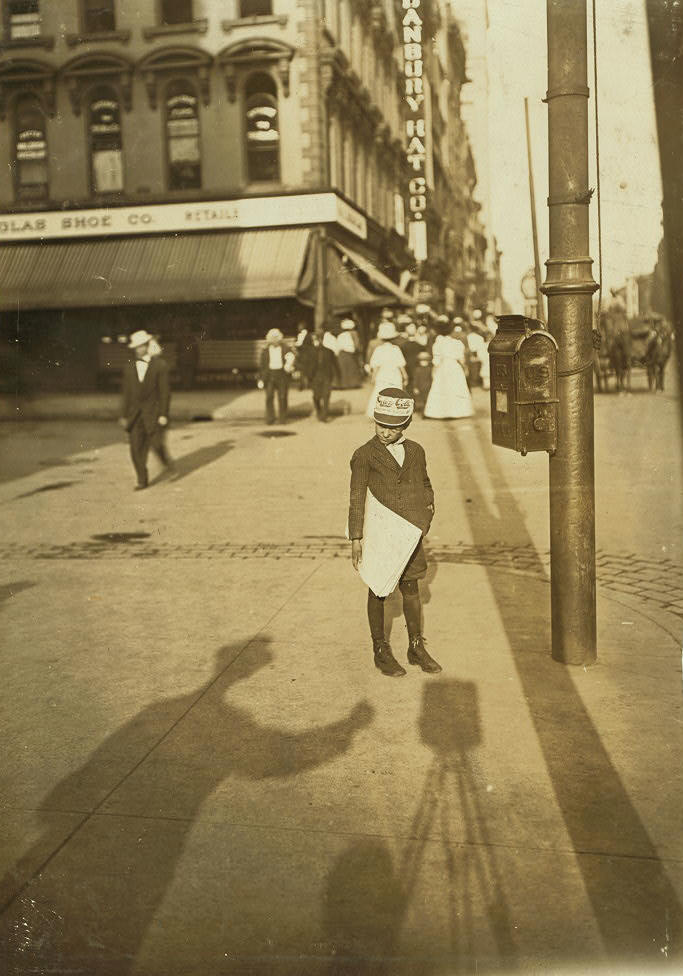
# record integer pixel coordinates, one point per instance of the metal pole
(320, 313)
(665, 24)
(569, 286)
(540, 309)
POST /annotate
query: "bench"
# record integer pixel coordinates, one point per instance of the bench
(234, 358)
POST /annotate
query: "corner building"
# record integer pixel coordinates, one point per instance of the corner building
(220, 165)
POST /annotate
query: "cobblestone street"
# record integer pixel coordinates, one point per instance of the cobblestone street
(655, 582)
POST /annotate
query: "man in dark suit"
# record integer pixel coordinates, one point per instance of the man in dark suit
(324, 371)
(145, 404)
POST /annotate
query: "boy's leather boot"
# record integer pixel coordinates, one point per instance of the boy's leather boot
(417, 654)
(385, 660)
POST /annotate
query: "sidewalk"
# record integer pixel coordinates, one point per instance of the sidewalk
(244, 403)
(204, 774)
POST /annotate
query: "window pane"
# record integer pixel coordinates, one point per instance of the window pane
(105, 145)
(182, 131)
(24, 19)
(30, 151)
(98, 16)
(256, 8)
(176, 12)
(107, 169)
(262, 130)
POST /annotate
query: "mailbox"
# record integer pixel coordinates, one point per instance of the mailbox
(523, 358)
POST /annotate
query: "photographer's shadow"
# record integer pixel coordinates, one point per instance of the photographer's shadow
(93, 916)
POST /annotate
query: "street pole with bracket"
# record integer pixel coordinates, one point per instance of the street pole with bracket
(569, 287)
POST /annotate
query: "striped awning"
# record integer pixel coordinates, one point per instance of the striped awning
(153, 269)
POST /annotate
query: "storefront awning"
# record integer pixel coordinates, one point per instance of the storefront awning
(195, 267)
(352, 281)
(377, 280)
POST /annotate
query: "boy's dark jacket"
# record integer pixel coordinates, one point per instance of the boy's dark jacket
(405, 489)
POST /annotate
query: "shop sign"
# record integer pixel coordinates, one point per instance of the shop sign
(416, 129)
(310, 208)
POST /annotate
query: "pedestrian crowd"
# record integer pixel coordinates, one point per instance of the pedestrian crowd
(435, 358)
(415, 362)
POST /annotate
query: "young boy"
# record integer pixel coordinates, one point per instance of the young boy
(395, 471)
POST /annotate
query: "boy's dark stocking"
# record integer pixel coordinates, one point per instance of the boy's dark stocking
(412, 608)
(384, 658)
(412, 611)
(376, 616)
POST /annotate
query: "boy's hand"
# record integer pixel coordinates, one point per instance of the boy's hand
(356, 552)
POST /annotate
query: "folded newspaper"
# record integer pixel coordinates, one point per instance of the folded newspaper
(389, 541)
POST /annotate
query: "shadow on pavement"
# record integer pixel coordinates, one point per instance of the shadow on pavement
(51, 486)
(368, 896)
(634, 904)
(85, 902)
(30, 446)
(189, 463)
(8, 590)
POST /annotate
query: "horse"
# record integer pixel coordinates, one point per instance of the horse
(619, 351)
(657, 354)
(614, 353)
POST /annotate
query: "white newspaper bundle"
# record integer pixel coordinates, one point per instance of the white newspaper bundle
(389, 541)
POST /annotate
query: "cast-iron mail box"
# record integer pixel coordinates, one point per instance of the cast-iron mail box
(523, 357)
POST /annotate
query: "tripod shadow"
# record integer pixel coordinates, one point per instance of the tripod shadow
(634, 904)
(88, 899)
(369, 895)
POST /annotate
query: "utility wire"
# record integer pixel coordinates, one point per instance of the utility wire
(597, 158)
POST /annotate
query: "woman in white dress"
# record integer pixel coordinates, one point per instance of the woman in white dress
(449, 396)
(387, 364)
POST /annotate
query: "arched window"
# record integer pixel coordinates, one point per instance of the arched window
(22, 17)
(104, 134)
(30, 150)
(256, 8)
(262, 129)
(182, 137)
(98, 16)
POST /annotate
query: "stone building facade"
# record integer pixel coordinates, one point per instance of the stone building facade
(208, 163)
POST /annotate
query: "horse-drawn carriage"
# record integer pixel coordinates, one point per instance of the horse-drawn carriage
(626, 344)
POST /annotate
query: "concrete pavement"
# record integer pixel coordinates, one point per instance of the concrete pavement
(204, 774)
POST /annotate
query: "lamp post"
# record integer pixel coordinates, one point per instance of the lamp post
(569, 287)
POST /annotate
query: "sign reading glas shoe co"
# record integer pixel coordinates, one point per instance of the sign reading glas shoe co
(305, 208)
(416, 128)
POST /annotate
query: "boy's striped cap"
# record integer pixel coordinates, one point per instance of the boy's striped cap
(393, 407)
